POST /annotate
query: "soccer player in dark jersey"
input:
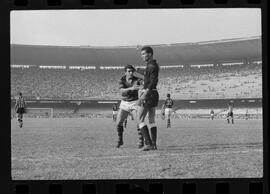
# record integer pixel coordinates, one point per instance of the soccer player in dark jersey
(167, 106)
(114, 113)
(246, 115)
(212, 114)
(230, 113)
(149, 99)
(129, 86)
(20, 108)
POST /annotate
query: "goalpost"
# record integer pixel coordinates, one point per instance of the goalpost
(43, 112)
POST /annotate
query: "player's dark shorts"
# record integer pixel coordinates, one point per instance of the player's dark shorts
(230, 114)
(151, 99)
(20, 111)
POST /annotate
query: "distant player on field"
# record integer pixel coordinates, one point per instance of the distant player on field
(167, 106)
(212, 114)
(114, 112)
(20, 108)
(246, 115)
(230, 113)
(129, 86)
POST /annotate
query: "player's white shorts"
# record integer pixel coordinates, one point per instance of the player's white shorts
(114, 112)
(129, 106)
(168, 111)
(212, 115)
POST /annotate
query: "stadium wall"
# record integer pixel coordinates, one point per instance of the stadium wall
(104, 105)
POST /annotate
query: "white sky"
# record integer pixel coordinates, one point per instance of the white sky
(132, 27)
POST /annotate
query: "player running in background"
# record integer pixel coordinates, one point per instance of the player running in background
(167, 106)
(149, 99)
(20, 108)
(212, 113)
(129, 86)
(230, 113)
(114, 113)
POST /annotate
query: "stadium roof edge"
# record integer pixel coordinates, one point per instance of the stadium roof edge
(139, 46)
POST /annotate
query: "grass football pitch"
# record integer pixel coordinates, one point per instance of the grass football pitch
(84, 148)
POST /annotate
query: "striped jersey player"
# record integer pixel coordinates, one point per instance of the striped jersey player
(20, 108)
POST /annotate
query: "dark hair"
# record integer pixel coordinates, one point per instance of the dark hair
(129, 67)
(168, 95)
(148, 49)
(20, 94)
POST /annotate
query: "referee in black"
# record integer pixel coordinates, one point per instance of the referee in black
(20, 108)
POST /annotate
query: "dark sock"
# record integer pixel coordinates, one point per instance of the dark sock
(146, 135)
(120, 130)
(154, 134)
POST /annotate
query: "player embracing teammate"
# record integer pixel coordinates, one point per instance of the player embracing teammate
(129, 86)
(139, 101)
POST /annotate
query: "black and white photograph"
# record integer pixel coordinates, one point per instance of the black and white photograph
(136, 94)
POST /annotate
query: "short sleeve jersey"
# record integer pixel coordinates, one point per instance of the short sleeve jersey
(168, 103)
(20, 103)
(129, 95)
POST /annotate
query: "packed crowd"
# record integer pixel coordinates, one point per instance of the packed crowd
(238, 81)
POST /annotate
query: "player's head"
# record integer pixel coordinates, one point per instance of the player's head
(168, 95)
(147, 53)
(19, 93)
(129, 70)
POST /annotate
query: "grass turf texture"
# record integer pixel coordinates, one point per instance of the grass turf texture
(83, 148)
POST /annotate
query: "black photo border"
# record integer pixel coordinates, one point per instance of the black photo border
(155, 186)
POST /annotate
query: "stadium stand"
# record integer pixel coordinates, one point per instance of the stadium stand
(183, 80)
(216, 82)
